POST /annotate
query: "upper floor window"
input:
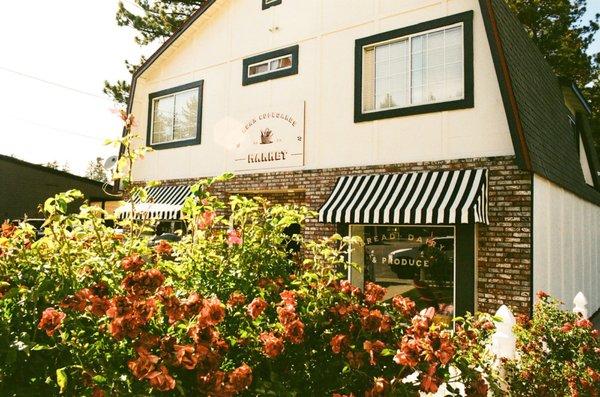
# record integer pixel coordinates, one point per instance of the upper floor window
(272, 65)
(175, 116)
(422, 68)
(270, 3)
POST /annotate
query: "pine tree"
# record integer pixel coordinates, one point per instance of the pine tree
(563, 36)
(160, 19)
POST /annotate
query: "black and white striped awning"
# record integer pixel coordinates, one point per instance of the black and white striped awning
(164, 202)
(444, 197)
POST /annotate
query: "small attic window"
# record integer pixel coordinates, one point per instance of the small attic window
(270, 3)
(271, 65)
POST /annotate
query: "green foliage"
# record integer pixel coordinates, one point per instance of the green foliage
(154, 20)
(559, 354)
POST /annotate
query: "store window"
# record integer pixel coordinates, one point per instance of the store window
(418, 262)
(175, 116)
(270, 3)
(423, 68)
(271, 65)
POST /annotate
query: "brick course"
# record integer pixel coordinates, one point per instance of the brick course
(504, 267)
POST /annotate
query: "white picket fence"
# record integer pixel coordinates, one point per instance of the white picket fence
(504, 341)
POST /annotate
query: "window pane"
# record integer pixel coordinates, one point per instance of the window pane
(186, 115)
(382, 53)
(435, 40)
(285, 62)
(453, 53)
(162, 122)
(436, 68)
(454, 36)
(398, 50)
(417, 262)
(258, 69)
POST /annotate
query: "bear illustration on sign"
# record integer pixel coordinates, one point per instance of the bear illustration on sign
(266, 136)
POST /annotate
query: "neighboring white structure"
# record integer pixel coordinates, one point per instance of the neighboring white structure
(463, 163)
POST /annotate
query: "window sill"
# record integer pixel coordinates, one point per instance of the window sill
(360, 116)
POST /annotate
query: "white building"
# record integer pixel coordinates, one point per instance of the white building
(464, 164)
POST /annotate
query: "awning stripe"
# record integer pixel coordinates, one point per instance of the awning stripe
(436, 197)
(164, 202)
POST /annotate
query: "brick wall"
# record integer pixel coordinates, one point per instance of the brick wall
(504, 246)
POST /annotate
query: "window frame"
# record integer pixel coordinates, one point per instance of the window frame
(465, 261)
(199, 85)
(465, 19)
(266, 4)
(292, 51)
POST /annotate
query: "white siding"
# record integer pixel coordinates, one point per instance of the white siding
(213, 50)
(566, 244)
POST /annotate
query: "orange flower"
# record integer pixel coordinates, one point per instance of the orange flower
(161, 380)
(132, 263)
(143, 282)
(186, 356)
(542, 295)
(294, 331)
(372, 321)
(212, 312)
(405, 358)
(289, 298)
(347, 288)
(286, 314)
(404, 305)
(446, 349)
(240, 378)
(236, 298)
(143, 365)
(584, 323)
(77, 302)
(98, 306)
(380, 388)
(272, 345)
(7, 229)
(206, 219)
(374, 293)
(51, 320)
(429, 381)
(338, 343)
(256, 307)
(163, 248)
(373, 348)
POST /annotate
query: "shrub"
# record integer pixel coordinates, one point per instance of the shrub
(228, 310)
(558, 354)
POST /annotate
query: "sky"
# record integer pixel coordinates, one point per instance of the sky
(49, 45)
(70, 43)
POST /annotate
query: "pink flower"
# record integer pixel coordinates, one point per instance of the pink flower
(51, 320)
(206, 220)
(234, 237)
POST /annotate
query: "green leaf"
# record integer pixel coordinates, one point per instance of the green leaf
(99, 379)
(42, 347)
(61, 379)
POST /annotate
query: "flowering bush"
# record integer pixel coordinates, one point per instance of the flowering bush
(558, 354)
(229, 310)
(226, 311)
